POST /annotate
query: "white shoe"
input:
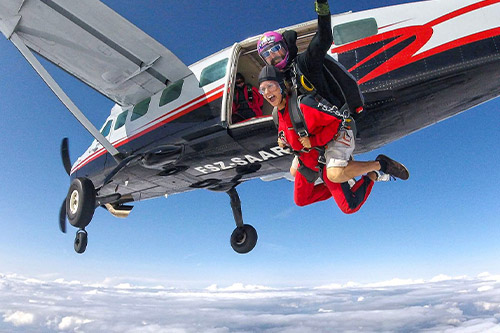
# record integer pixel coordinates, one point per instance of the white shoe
(383, 177)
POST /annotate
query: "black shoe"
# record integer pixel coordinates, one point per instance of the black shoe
(392, 167)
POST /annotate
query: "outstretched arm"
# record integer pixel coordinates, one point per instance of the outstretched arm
(323, 39)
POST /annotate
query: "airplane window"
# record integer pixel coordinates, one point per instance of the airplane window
(213, 72)
(351, 31)
(140, 109)
(105, 130)
(120, 120)
(171, 93)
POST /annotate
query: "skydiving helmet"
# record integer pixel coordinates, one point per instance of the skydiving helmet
(270, 73)
(272, 43)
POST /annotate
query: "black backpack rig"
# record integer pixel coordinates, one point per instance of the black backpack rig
(343, 85)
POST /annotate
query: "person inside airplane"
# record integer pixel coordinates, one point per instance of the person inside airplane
(326, 150)
(247, 102)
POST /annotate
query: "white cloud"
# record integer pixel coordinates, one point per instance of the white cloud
(237, 287)
(330, 286)
(321, 310)
(72, 322)
(124, 286)
(19, 318)
(443, 277)
(488, 306)
(62, 281)
(394, 283)
(443, 304)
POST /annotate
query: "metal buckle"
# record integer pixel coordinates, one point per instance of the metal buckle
(322, 159)
(302, 133)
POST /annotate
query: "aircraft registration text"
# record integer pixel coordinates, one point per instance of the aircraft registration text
(233, 162)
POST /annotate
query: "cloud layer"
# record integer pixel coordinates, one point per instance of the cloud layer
(442, 304)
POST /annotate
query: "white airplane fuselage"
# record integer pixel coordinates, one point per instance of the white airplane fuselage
(416, 64)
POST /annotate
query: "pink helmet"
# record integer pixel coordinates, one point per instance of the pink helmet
(267, 41)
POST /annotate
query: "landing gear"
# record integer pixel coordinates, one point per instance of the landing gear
(80, 202)
(80, 206)
(81, 241)
(244, 237)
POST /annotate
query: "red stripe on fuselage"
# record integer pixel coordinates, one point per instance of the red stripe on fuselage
(203, 100)
(462, 11)
(422, 33)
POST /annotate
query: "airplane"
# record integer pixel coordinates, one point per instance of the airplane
(170, 130)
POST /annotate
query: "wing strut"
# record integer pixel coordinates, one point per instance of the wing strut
(49, 80)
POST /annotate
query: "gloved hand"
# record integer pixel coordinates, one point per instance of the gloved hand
(322, 7)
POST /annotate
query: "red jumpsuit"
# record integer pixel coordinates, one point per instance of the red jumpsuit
(322, 128)
(243, 105)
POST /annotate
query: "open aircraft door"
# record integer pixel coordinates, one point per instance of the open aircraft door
(227, 98)
(252, 133)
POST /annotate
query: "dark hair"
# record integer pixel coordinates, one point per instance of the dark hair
(240, 76)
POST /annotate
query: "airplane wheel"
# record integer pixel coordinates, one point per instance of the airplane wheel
(243, 239)
(81, 241)
(80, 202)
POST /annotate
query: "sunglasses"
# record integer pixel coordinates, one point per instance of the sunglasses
(273, 49)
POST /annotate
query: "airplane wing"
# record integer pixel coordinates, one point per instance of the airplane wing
(95, 44)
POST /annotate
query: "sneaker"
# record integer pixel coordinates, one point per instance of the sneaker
(383, 177)
(394, 168)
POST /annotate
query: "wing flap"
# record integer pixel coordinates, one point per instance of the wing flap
(96, 45)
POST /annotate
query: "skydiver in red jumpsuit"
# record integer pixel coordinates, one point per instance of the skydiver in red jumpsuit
(324, 131)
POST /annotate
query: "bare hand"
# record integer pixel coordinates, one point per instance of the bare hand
(305, 142)
(280, 143)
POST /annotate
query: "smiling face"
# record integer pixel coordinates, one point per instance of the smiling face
(274, 54)
(272, 93)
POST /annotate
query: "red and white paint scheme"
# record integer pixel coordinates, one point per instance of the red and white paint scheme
(171, 129)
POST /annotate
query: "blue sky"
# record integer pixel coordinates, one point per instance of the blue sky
(444, 220)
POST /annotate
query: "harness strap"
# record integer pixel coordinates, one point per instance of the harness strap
(249, 92)
(275, 117)
(309, 174)
(307, 88)
(296, 115)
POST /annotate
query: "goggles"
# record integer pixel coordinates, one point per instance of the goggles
(271, 87)
(272, 49)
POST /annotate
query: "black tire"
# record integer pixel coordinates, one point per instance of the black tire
(81, 241)
(80, 202)
(244, 239)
